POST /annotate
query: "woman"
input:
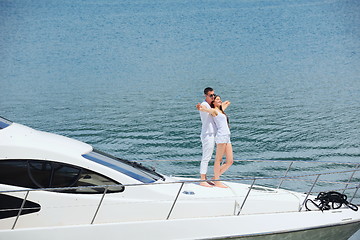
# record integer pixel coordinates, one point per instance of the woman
(222, 138)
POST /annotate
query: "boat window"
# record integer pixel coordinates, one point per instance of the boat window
(40, 173)
(15, 173)
(10, 206)
(65, 175)
(49, 174)
(4, 123)
(131, 169)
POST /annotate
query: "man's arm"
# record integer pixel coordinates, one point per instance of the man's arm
(198, 106)
(211, 111)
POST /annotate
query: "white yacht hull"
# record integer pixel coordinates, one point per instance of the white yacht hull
(314, 225)
(53, 187)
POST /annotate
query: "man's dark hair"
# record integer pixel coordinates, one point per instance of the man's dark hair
(208, 89)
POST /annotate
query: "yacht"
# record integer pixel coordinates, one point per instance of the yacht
(55, 187)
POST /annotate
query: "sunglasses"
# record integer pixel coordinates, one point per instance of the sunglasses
(212, 95)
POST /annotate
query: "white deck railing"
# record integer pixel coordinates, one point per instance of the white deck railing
(348, 182)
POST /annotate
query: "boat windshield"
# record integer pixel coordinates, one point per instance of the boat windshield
(129, 168)
(4, 123)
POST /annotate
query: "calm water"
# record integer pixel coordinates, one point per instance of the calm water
(125, 76)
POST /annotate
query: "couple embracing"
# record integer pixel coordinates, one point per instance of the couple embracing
(215, 129)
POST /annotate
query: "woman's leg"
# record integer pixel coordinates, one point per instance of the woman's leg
(229, 158)
(220, 151)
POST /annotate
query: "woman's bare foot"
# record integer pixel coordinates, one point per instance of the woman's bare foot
(205, 184)
(220, 185)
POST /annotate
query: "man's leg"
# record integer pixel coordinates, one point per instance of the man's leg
(208, 143)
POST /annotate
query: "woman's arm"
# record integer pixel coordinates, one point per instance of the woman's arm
(225, 105)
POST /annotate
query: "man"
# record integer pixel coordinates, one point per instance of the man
(208, 131)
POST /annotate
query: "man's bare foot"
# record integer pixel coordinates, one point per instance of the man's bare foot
(220, 185)
(205, 184)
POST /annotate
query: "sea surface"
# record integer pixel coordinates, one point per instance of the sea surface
(125, 76)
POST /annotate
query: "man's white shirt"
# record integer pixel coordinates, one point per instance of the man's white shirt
(208, 124)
